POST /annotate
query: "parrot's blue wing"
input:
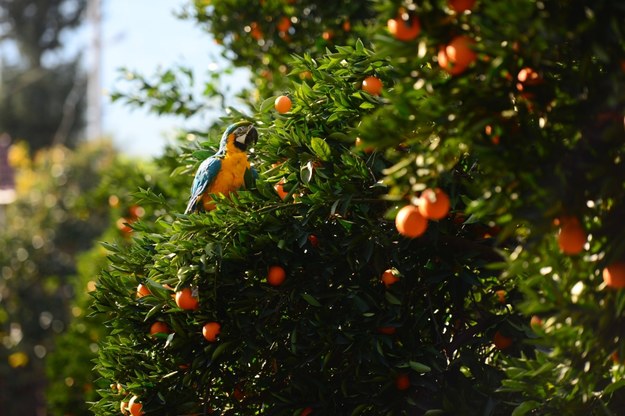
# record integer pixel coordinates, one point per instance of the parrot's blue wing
(205, 175)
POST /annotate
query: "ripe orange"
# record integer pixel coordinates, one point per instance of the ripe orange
(460, 6)
(136, 211)
(410, 223)
(238, 394)
(536, 322)
(283, 104)
(327, 35)
(571, 237)
(347, 26)
(279, 187)
(113, 201)
(359, 143)
(614, 275)
(284, 24)
(372, 85)
(256, 31)
(313, 240)
(135, 408)
(501, 341)
(186, 300)
(528, 76)
(276, 275)
(501, 296)
(389, 278)
(210, 331)
(142, 290)
(434, 204)
(123, 225)
(159, 327)
(615, 358)
(456, 57)
(402, 382)
(387, 330)
(307, 411)
(404, 30)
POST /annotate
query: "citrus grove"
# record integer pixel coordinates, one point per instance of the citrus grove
(436, 226)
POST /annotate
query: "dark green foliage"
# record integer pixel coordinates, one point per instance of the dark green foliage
(318, 340)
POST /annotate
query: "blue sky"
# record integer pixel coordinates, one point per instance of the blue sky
(144, 35)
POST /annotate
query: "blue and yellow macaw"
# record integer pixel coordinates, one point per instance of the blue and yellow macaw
(225, 171)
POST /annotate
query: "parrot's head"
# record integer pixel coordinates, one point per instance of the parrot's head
(241, 135)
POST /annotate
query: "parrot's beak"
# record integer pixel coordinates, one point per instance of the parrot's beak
(248, 138)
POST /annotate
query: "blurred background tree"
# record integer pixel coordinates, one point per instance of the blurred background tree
(56, 216)
(42, 91)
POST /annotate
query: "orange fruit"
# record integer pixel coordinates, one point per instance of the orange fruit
(142, 290)
(284, 24)
(456, 57)
(283, 104)
(501, 341)
(276, 275)
(402, 382)
(159, 327)
(528, 76)
(186, 300)
(327, 35)
(434, 204)
(113, 201)
(123, 225)
(501, 296)
(372, 85)
(306, 411)
(389, 278)
(410, 223)
(614, 275)
(123, 407)
(135, 408)
(404, 30)
(571, 237)
(347, 26)
(256, 31)
(279, 187)
(136, 211)
(460, 6)
(387, 330)
(210, 331)
(359, 143)
(238, 394)
(536, 322)
(313, 240)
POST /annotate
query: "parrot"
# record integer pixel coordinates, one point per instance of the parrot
(225, 171)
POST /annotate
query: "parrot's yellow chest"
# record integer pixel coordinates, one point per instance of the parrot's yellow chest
(231, 176)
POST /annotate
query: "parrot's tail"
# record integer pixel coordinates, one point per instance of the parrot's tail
(190, 206)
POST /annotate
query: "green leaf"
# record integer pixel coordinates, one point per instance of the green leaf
(525, 407)
(311, 300)
(419, 367)
(611, 388)
(320, 148)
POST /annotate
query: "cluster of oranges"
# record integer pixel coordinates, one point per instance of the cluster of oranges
(412, 220)
(572, 238)
(456, 56)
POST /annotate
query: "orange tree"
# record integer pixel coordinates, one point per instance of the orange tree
(54, 218)
(71, 383)
(514, 109)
